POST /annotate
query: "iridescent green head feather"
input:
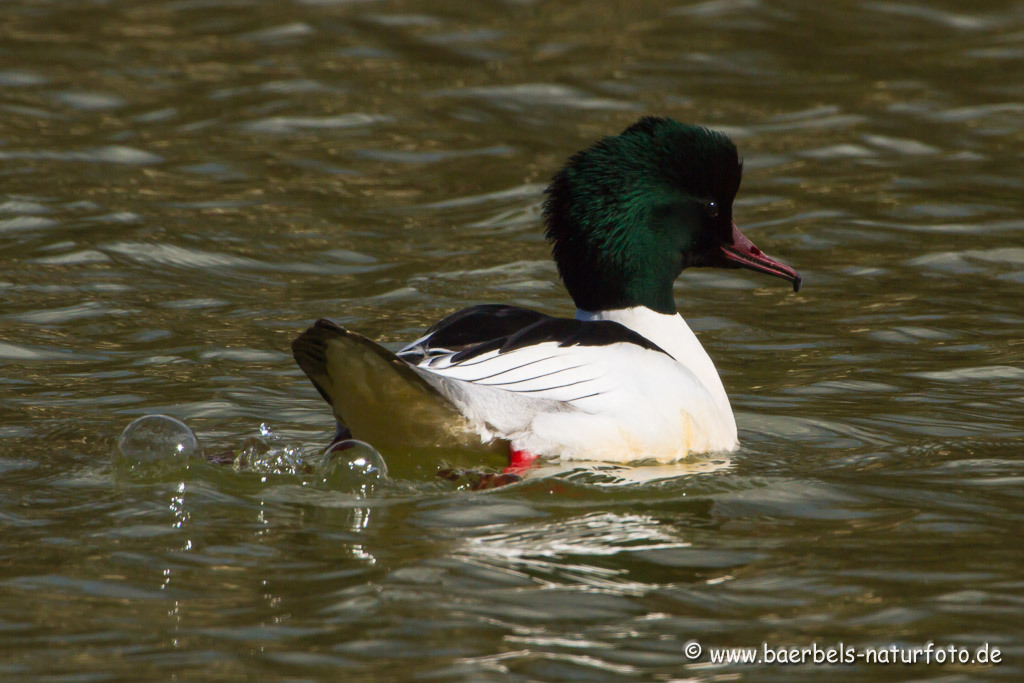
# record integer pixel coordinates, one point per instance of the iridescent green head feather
(628, 214)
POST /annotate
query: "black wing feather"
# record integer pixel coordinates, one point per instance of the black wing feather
(475, 331)
(479, 324)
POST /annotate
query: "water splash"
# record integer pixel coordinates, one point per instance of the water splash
(269, 454)
(350, 466)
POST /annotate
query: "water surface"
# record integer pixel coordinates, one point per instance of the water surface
(186, 185)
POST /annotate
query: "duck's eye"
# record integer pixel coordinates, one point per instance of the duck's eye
(711, 208)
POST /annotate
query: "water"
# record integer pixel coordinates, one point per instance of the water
(186, 185)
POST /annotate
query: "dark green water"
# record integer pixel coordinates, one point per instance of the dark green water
(185, 185)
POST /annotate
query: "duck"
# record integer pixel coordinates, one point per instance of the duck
(625, 379)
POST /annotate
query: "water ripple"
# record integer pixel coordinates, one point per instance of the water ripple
(189, 183)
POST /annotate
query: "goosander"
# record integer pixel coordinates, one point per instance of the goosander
(624, 380)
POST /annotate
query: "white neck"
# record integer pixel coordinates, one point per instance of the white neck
(674, 336)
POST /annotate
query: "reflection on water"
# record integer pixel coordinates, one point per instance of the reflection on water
(186, 185)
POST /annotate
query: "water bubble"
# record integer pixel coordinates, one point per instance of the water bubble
(352, 465)
(155, 438)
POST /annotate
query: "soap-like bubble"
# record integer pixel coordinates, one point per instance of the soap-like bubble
(352, 465)
(155, 438)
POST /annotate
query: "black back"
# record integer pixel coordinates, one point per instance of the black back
(480, 329)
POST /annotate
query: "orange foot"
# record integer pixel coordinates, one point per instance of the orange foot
(519, 461)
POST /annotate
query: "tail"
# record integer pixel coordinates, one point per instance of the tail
(375, 394)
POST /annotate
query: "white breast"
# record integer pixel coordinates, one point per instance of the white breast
(672, 334)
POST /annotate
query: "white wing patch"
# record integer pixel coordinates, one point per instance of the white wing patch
(542, 371)
(614, 402)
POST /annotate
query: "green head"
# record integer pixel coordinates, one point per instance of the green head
(628, 214)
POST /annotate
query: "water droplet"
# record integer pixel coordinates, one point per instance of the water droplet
(268, 454)
(352, 465)
(152, 438)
